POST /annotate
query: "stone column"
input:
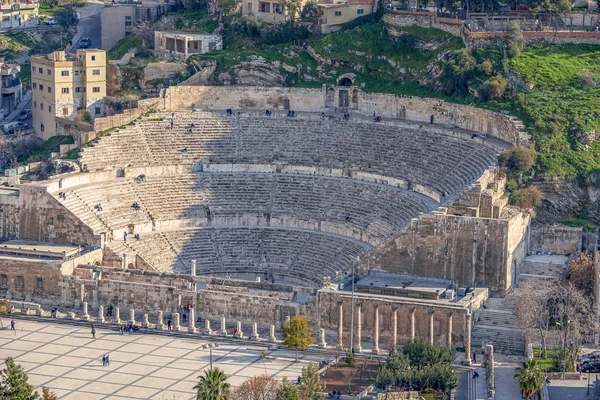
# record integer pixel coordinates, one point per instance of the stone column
(255, 331)
(376, 329)
(449, 333)
(145, 322)
(192, 321)
(176, 325)
(124, 257)
(412, 324)
(489, 364)
(394, 328)
(468, 338)
(358, 316)
(223, 330)
(132, 316)
(340, 334)
(239, 333)
(85, 316)
(322, 342)
(101, 314)
(207, 329)
(159, 321)
(117, 315)
(272, 337)
(193, 271)
(431, 335)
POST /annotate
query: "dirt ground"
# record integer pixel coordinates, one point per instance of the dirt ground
(336, 377)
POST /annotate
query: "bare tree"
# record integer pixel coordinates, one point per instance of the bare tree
(581, 274)
(257, 388)
(349, 373)
(362, 367)
(530, 302)
(572, 312)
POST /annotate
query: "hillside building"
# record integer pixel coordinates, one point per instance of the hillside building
(335, 12)
(63, 84)
(185, 44)
(12, 89)
(18, 14)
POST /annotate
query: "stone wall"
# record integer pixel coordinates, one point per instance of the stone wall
(558, 239)
(314, 100)
(424, 20)
(43, 218)
(466, 250)
(9, 217)
(49, 271)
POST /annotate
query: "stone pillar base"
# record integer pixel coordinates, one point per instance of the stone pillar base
(71, 315)
(209, 332)
(85, 317)
(376, 350)
(357, 349)
(160, 327)
(177, 328)
(255, 336)
(101, 319)
(239, 335)
(223, 332)
(322, 345)
(192, 330)
(145, 324)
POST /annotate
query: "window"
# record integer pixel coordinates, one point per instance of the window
(41, 87)
(34, 104)
(20, 282)
(65, 111)
(338, 13)
(97, 110)
(34, 85)
(96, 72)
(64, 73)
(93, 58)
(49, 72)
(32, 69)
(96, 90)
(65, 90)
(79, 89)
(49, 89)
(360, 11)
(41, 70)
(39, 283)
(42, 127)
(42, 106)
(3, 281)
(50, 108)
(76, 72)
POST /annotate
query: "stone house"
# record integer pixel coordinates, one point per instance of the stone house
(335, 12)
(12, 89)
(18, 13)
(185, 44)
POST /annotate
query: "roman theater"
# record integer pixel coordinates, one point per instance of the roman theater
(251, 217)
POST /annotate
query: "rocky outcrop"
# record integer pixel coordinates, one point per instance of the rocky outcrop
(254, 73)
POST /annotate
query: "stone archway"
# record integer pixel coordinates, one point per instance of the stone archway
(345, 81)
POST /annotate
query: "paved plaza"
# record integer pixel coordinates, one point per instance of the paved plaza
(142, 366)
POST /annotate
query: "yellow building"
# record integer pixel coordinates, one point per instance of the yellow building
(335, 12)
(64, 84)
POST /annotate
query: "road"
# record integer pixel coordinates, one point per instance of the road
(90, 25)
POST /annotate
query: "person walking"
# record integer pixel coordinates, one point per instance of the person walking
(121, 329)
(107, 361)
(170, 324)
(93, 331)
(12, 324)
(104, 361)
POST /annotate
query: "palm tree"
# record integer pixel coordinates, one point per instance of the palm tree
(531, 378)
(213, 385)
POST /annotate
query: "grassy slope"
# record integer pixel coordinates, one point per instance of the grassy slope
(123, 46)
(560, 104)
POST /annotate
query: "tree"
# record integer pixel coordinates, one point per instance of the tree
(257, 388)
(530, 304)
(531, 378)
(66, 18)
(581, 273)
(349, 374)
(297, 334)
(287, 391)
(5, 307)
(47, 394)
(350, 359)
(519, 159)
(15, 383)
(310, 11)
(515, 39)
(493, 88)
(291, 8)
(310, 388)
(229, 7)
(212, 386)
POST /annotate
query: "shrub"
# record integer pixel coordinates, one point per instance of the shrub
(458, 70)
(85, 116)
(527, 198)
(518, 159)
(493, 88)
(515, 39)
(486, 67)
(587, 79)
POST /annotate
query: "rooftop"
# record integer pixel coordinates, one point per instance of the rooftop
(20, 248)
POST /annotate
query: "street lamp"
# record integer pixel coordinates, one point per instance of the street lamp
(352, 309)
(210, 347)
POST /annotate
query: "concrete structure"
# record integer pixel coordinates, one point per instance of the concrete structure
(265, 11)
(12, 89)
(118, 20)
(335, 12)
(184, 44)
(18, 14)
(64, 84)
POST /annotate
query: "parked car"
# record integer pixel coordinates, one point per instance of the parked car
(85, 43)
(13, 127)
(590, 367)
(25, 114)
(590, 357)
(50, 21)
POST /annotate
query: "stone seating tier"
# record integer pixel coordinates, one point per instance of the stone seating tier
(378, 210)
(445, 163)
(290, 255)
